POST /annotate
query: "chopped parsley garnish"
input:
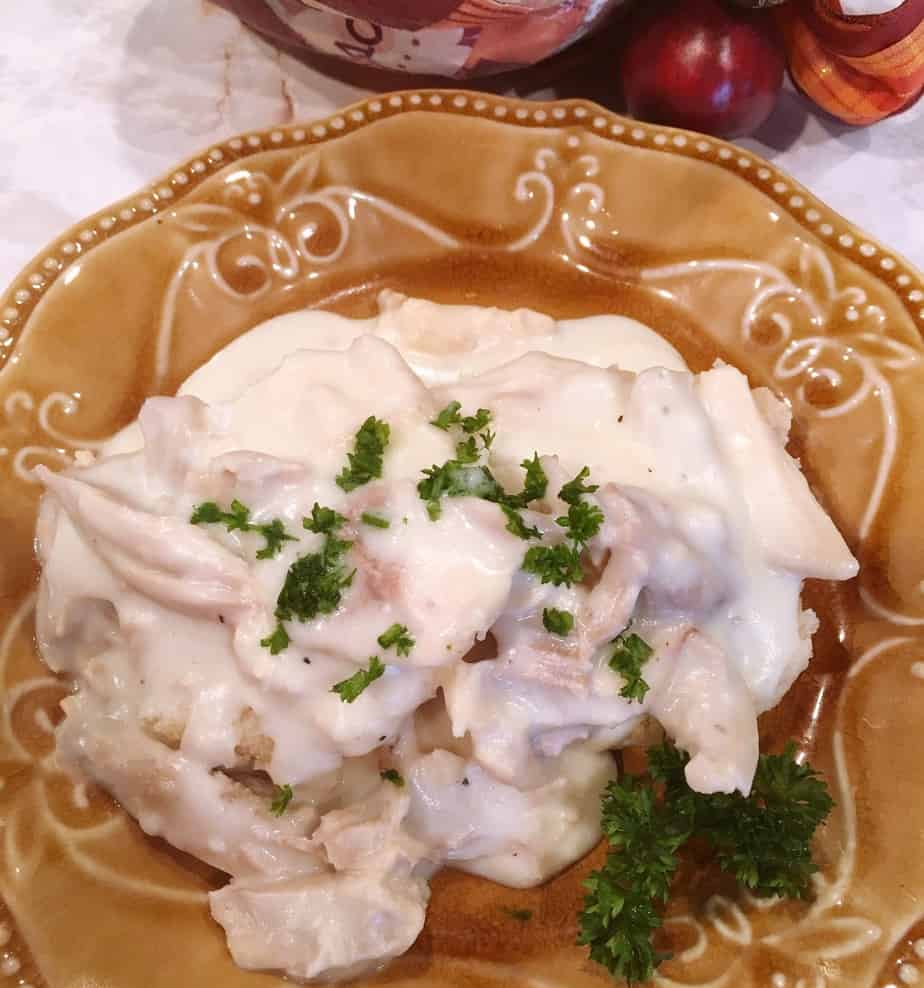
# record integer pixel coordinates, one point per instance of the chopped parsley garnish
(475, 423)
(470, 424)
(376, 521)
(630, 653)
(517, 526)
(323, 521)
(561, 564)
(208, 513)
(463, 477)
(238, 520)
(460, 477)
(275, 535)
(557, 622)
(582, 522)
(467, 451)
(534, 486)
(556, 564)
(278, 641)
(520, 915)
(393, 776)
(397, 635)
(282, 796)
(572, 491)
(365, 462)
(350, 689)
(763, 840)
(457, 479)
(314, 583)
(448, 417)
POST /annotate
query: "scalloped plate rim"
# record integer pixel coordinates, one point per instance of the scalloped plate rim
(108, 222)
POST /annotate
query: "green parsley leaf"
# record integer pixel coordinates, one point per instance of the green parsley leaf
(449, 416)
(282, 796)
(376, 521)
(238, 519)
(582, 522)
(455, 479)
(278, 641)
(560, 564)
(467, 451)
(520, 915)
(487, 438)
(314, 583)
(397, 635)
(275, 535)
(323, 521)
(572, 491)
(536, 483)
(630, 653)
(393, 776)
(534, 486)
(622, 907)
(763, 839)
(207, 513)
(475, 423)
(517, 526)
(557, 564)
(557, 622)
(365, 462)
(350, 689)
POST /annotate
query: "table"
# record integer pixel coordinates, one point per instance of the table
(100, 98)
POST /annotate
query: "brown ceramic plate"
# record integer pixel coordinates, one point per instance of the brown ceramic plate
(566, 208)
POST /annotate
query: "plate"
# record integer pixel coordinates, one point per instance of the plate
(569, 209)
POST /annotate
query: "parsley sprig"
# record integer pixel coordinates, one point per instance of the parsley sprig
(365, 462)
(630, 653)
(350, 689)
(763, 840)
(238, 520)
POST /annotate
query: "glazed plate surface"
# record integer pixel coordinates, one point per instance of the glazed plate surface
(567, 209)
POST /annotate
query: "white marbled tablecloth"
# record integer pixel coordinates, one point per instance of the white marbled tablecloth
(98, 98)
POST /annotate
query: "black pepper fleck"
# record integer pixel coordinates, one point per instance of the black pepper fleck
(306, 660)
(221, 618)
(465, 781)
